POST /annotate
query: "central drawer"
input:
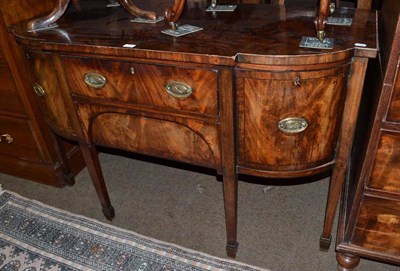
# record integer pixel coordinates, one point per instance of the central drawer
(156, 86)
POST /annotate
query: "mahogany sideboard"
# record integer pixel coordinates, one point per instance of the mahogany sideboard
(239, 96)
(370, 209)
(27, 147)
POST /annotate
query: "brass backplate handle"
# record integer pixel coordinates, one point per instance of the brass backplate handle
(39, 90)
(7, 137)
(178, 90)
(95, 80)
(292, 125)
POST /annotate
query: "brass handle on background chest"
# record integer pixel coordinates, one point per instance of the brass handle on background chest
(178, 90)
(7, 138)
(95, 80)
(39, 90)
(292, 125)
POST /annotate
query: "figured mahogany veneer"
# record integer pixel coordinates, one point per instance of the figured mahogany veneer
(227, 97)
(385, 170)
(144, 85)
(377, 226)
(267, 97)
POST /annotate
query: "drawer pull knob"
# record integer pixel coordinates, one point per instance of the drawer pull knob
(178, 89)
(39, 90)
(293, 125)
(95, 80)
(296, 82)
(7, 138)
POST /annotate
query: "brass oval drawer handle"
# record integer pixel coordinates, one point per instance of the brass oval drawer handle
(7, 138)
(39, 90)
(178, 89)
(95, 80)
(292, 125)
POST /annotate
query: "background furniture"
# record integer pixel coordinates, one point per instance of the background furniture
(370, 214)
(27, 148)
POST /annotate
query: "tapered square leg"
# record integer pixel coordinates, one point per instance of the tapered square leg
(93, 165)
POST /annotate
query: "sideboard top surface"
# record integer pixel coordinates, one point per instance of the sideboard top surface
(253, 33)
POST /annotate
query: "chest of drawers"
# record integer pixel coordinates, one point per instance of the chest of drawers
(370, 209)
(239, 96)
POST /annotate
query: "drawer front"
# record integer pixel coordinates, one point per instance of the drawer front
(289, 120)
(187, 141)
(145, 84)
(17, 139)
(378, 226)
(9, 98)
(394, 109)
(385, 174)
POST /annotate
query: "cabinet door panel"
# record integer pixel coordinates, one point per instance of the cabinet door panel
(52, 102)
(266, 99)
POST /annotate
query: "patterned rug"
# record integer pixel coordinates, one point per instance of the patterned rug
(35, 236)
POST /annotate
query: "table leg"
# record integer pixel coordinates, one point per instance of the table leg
(347, 130)
(230, 182)
(230, 198)
(93, 165)
(346, 262)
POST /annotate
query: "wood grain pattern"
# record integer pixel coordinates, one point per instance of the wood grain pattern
(265, 98)
(228, 158)
(224, 38)
(143, 84)
(192, 135)
(243, 67)
(346, 139)
(378, 226)
(52, 103)
(35, 155)
(369, 222)
(156, 137)
(385, 174)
